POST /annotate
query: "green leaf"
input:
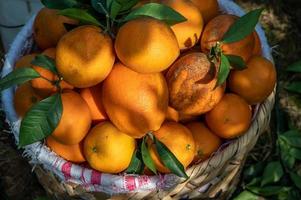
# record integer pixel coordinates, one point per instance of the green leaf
(292, 137)
(242, 27)
(41, 120)
(296, 153)
(296, 179)
(268, 190)
(236, 62)
(169, 160)
(223, 71)
(295, 67)
(18, 76)
(246, 195)
(254, 181)
(136, 166)
(80, 14)
(254, 170)
(127, 4)
(45, 62)
(157, 11)
(272, 173)
(115, 9)
(287, 159)
(294, 87)
(60, 4)
(99, 5)
(147, 159)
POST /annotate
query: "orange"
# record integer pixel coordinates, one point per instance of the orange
(256, 82)
(257, 51)
(107, 149)
(191, 81)
(230, 118)
(25, 61)
(25, 97)
(206, 142)
(146, 45)
(75, 121)
(188, 32)
(73, 153)
(85, 56)
(208, 8)
(183, 118)
(214, 32)
(172, 114)
(178, 139)
(135, 103)
(93, 98)
(43, 87)
(49, 27)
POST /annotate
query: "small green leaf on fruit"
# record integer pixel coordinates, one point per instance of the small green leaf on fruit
(99, 5)
(272, 173)
(242, 27)
(136, 166)
(18, 76)
(169, 159)
(41, 120)
(81, 15)
(45, 62)
(146, 157)
(236, 62)
(223, 71)
(157, 11)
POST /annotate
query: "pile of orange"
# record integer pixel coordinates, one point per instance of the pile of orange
(150, 78)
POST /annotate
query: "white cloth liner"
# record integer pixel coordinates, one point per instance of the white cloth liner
(86, 177)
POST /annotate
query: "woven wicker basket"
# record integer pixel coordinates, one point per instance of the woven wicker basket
(214, 178)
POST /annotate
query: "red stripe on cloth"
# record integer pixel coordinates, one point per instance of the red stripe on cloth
(96, 177)
(143, 180)
(130, 183)
(66, 169)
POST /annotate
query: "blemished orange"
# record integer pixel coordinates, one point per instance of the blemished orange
(206, 142)
(230, 118)
(25, 61)
(208, 8)
(135, 103)
(257, 51)
(85, 56)
(107, 149)
(188, 32)
(214, 32)
(93, 98)
(24, 98)
(146, 45)
(256, 82)
(191, 82)
(49, 27)
(75, 120)
(178, 139)
(43, 87)
(73, 153)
